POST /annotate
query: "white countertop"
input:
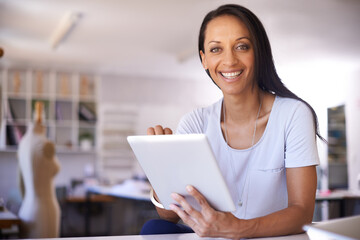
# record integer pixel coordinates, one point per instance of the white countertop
(185, 236)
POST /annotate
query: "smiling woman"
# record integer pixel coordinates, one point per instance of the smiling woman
(262, 134)
(228, 54)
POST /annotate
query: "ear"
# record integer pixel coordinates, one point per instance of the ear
(203, 60)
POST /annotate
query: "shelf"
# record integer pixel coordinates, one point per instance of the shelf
(116, 123)
(16, 84)
(14, 149)
(63, 110)
(16, 96)
(14, 133)
(337, 155)
(70, 112)
(87, 112)
(40, 84)
(63, 85)
(16, 109)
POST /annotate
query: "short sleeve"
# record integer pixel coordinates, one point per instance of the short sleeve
(300, 140)
(191, 123)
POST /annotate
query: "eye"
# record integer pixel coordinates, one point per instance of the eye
(214, 50)
(243, 47)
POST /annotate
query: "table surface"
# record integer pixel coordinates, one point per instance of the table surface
(337, 195)
(139, 190)
(186, 236)
(131, 189)
(7, 219)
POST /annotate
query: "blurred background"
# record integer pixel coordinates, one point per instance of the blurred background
(108, 69)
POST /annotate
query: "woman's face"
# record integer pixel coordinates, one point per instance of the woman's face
(228, 54)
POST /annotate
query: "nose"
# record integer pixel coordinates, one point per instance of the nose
(230, 58)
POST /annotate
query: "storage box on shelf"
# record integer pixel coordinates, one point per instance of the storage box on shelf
(70, 107)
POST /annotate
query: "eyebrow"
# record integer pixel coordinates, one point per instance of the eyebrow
(214, 41)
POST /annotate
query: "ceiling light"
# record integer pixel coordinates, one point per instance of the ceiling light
(63, 29)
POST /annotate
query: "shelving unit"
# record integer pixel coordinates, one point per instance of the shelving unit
(70, 107)
(337, 158)
(116, 159)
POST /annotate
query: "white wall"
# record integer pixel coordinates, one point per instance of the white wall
(352, 111)
(325, 83)
(159, 101)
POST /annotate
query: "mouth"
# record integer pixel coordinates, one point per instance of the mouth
(231, 75)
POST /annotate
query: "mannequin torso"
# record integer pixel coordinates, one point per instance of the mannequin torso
(39, 212)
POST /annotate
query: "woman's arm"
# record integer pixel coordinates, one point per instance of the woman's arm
(168, 215)
(163, 213)
(301, 185)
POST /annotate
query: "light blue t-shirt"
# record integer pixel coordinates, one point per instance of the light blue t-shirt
(256, 176)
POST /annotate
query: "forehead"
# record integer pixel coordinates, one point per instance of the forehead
(226, 26)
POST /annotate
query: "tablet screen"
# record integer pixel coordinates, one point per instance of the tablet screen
(171, 162)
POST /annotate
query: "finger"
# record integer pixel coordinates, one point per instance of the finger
(168, 131)
(199, 198)
(187, 207)
(159, 130)
(150, 131)
(183, 215)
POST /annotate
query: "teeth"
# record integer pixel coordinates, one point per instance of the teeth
(231, 74)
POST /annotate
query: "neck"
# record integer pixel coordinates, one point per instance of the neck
(242, 108)
(39, 128)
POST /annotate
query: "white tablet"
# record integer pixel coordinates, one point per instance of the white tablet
(346, 228)
(171, 162)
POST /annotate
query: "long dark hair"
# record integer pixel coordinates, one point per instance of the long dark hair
(264, 71)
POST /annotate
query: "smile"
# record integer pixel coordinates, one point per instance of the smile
(231, 75)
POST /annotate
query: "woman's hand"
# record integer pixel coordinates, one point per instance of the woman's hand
(158, 130)
(208, 222)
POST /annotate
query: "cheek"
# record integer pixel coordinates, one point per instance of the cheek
(212, 63)
(212, 69)
(251, 65)
(249, 60)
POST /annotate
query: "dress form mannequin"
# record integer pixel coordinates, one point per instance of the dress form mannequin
(39, 212)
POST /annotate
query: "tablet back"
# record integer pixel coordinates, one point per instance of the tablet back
(171, 162)
(341, 229)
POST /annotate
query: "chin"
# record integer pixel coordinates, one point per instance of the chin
(232, 89)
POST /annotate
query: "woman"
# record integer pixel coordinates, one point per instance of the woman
(263, 136)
